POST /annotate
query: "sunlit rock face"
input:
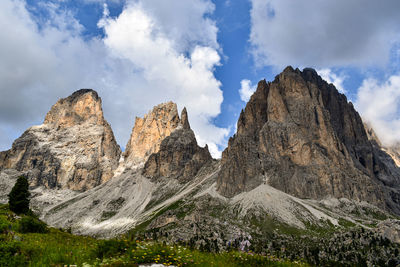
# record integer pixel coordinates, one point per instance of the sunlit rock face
(149, 131)
(74, 148)
(300, 135)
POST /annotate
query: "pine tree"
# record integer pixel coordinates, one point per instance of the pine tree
(18, 199)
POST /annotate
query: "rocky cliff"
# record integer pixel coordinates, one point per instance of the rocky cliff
(74, 148)
(301, 136)
(179, 156)
(149, 131)
(393, 150)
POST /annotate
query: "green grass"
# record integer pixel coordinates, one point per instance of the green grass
(345, 223)
(377, 215)
(150, 252)
(54, 248)
(59, 248)
(143, 226)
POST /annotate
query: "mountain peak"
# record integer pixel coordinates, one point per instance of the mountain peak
(288, 69)
(149, 131)
(79, 93)
(300, 135)
(82, 106)
(74, 148)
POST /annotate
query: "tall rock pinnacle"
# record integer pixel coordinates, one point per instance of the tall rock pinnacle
(178, 155)
(150, 130)
(74, 148)
(301, 136)
(184, 119)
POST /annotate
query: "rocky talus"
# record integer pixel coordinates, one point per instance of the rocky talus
(149, 131)
(300, 135)
(74, 148)
(179, 156)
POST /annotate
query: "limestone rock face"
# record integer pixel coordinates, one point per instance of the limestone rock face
(179, 156)
(82, 106)
(301, 136)
(74, 148)
(149, 131)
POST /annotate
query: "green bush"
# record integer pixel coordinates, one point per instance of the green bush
(112, 247)
(10, 254)
(32, 225)
(4, 224)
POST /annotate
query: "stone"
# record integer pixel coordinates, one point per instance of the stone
(74, 148)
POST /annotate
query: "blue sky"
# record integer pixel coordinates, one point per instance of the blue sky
(203, 54)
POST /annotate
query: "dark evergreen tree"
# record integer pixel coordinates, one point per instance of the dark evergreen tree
(18, 199)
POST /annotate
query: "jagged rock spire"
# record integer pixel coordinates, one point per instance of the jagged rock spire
(184, 119)
(149, 131)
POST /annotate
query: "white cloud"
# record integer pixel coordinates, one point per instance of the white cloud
(379, 104)
(331, 77)
(168, 74)
(182, 22)
(137, 65)
(324, 34)
(246, 90)
(102, 1)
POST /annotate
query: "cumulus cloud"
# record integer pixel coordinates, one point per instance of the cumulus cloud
(379, 104)
(102, 1)
(146, 57)
(324, 33)
(183, 31)
(331, 77)
(246, 90)
(136, 36)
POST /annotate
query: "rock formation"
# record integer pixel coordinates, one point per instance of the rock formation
(149, 131)
(179, 156)
(301, 136)
(393, 151)
(74, 148)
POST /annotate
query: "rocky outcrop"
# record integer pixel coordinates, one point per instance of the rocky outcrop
(393, 151)
(179, 156)
(301, 136)
(74, 148)
(149, 131)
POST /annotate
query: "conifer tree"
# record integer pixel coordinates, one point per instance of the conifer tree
(18, 199)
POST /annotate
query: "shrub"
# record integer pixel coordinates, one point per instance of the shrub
(10, 254)
(4, 225)
(107, 248)
(18, 199)
(31, 225)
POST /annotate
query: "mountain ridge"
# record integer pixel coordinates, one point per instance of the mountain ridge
(271, 179)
